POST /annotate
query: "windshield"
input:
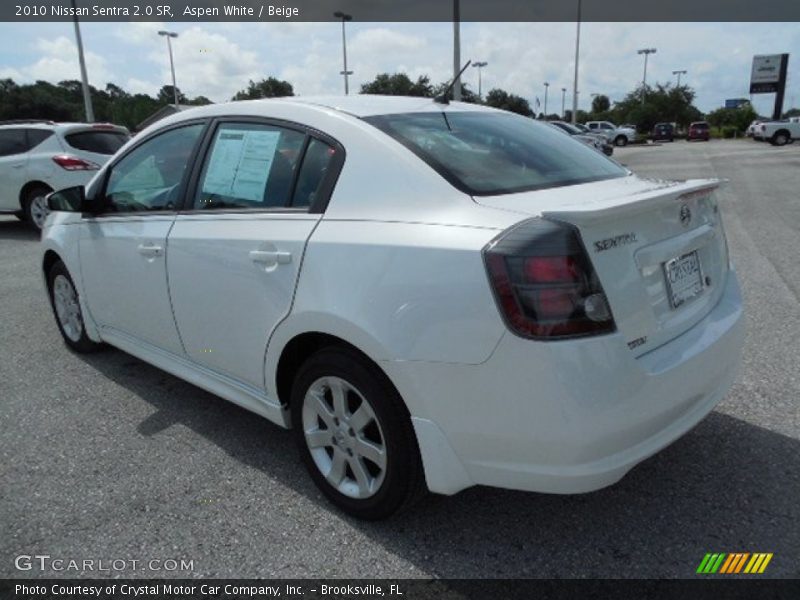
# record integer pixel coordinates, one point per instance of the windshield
(486, 154)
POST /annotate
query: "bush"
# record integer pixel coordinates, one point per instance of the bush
(729, 132)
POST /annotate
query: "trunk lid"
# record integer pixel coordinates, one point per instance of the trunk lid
(658, 248)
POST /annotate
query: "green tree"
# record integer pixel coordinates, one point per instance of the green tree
(503, 100)
(600, 104)
(662, 103)
(737, 118)
(467, 95)
(167, 96)
(398, 84)
(200, 101)
(270, 87)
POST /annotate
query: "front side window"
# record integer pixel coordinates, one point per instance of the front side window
(149, 177)
(484, 153)
(249, 166)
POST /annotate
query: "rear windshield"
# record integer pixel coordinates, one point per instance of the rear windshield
(701, 125)
(101, 142)
(485, 154)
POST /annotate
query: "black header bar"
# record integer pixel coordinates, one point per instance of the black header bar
(403, 10)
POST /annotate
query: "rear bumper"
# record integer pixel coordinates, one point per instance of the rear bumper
(572, 416)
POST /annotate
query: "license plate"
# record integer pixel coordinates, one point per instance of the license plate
(684, 278)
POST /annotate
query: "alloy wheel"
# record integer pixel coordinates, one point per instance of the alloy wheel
(344, 437)
(67, 308)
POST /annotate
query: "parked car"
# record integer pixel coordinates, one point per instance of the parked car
(619, 136)
(37, 157)
(663, 131)
(780, 133)
(699, 130)
(431, 295)
(598, 142)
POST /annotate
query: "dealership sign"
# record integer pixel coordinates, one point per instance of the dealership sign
(769, 73)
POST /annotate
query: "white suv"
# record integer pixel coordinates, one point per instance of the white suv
(37, 157)
(619, 136)
(439, 295)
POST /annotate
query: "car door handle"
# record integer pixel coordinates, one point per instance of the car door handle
(150, 250)
(19, 166)
(271, 257)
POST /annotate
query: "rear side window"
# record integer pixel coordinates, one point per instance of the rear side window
(485, 154)
(249, 166)
(316, 163)
(13, 141)
(99, 142)
(37, 136)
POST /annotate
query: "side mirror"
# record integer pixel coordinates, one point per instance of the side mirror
(72, 199)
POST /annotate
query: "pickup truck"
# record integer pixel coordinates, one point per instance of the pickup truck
(619, 136)
(780, 133)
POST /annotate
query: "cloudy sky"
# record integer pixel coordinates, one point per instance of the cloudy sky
(217, 59)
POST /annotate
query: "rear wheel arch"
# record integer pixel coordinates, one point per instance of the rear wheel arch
(300, 348)
(33, 204)
(29, 187)
(781, 137)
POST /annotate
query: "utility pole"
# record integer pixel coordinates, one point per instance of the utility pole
(169, 35)
(563, 101)
(87, 96)
(344, 17)
(480, 66)
(647, 52)
(456, 50)
(546, 87)
(577, 57)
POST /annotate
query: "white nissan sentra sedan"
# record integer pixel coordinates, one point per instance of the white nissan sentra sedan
(433, 296)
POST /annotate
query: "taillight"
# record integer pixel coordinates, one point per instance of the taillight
(544, 283)
(73, 163)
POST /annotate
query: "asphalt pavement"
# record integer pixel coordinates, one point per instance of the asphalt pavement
(104, 457)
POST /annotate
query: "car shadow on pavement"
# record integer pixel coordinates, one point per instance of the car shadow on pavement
(14, 229)
(727, 486)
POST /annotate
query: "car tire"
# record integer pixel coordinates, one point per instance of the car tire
(66, 306)
(34, 206)
(779, 139)
(355, 436)
(620, 141)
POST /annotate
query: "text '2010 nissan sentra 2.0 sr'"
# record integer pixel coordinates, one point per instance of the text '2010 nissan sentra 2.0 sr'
(433, 296)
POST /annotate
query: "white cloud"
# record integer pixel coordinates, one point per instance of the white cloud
(59, 61)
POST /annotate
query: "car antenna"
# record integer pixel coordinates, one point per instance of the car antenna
(442, 98)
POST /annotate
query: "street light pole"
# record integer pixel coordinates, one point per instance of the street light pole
(679, 73)
(344, 17)
(457, 50)
(577, 56)
(169, 35)
(563, 101)
(480, 66)
(546, 86)
(87, 97)
(647, 52)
